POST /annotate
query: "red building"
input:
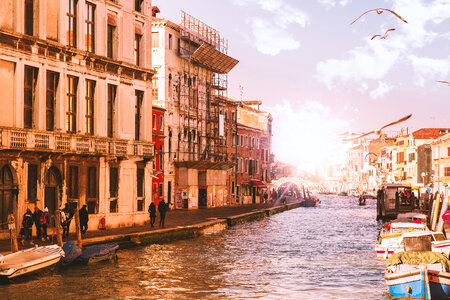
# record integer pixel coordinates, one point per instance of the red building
(158, 161)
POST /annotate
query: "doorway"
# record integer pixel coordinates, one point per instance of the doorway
(7, 203)
(254, 195)
(202, 198)
(52, 188)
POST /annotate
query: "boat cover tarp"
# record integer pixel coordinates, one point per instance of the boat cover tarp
(417, 258)
(71, 251)
(98, 250)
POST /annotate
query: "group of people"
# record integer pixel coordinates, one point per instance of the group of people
(42, 219)
(162, 208)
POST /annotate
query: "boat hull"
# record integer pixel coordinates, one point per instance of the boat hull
(33, 268)
(419, 285)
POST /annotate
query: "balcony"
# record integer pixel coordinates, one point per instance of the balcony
(44, 141)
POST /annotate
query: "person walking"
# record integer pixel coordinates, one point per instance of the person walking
(37, 222)
(84, 219)
(66, 218)
(27, 226)
(152, 212)
(45, 220)
(162, 208)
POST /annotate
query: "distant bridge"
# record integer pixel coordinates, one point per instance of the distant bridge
(300, 183)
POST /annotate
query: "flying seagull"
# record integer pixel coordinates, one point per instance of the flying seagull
(446, 82)
(380, 11)
(378, 131)
(385, 34)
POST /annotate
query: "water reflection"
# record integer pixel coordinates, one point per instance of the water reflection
(307, 253)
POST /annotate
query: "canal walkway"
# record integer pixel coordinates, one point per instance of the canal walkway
(175, 219)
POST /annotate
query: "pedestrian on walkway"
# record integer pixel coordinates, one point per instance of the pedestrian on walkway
(84, 219)
(162, 208)
(45, 220)
(37, 222)
(66, 218)
(27, 226)
(152, 212)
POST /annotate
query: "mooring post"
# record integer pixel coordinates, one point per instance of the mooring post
(13, 234)
(77, 226)
(57, 217)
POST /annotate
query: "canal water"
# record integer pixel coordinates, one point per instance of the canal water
(306, 253)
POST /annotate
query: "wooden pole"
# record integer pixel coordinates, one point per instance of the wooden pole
(12, 230)
(58, 227)
(78, 227)
(440, 226)
(437, 205)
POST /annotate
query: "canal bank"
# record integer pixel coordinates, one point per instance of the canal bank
(161, 236)
(180, 224)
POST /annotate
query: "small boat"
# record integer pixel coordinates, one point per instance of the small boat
(71, 251)
(29, 260)
(96, 253)
(418, 275)
(310, 202)
(343, 194)
(362, 201)
(390, 236)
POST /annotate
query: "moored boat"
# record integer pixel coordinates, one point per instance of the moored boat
(418, 275)
(71, 253)
(96, 253)
(29, 260)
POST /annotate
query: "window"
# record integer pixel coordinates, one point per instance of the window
(112, 89)
(110, 51)
(52, 85)
(161, 161)
(29, 95)
(170, 41)
(161, 123)
(72, 23)
(155, 39)
(179, 46)
(72, 183)
(411, 157)
(32, 182)
(113, 182)
(137, 49)
(140, 189)
(90, 27)
(90, 112)
(92, 202)
(447, 172)
(154, 122)
(71, 109)
(139, 95)
(160, 189)
(400, 157)
(138, 5)
(29, 17)
(155, 89)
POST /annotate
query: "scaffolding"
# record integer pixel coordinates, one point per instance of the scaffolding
(205, 76)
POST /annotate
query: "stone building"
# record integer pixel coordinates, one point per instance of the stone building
(192, 66)
(158, 162)
(254, 159)
(73, 74)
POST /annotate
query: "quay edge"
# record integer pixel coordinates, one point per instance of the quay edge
(162, 236)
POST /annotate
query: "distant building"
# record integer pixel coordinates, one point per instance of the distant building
(76, 108)
(441, 163)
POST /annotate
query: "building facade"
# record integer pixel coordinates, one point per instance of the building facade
(191, 63)
(158, 162)
(71, 81)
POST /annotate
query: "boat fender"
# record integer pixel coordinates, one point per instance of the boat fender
(409, 290)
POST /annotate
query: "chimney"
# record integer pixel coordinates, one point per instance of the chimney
(155, 10)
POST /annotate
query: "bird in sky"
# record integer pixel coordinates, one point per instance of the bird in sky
(380, 11)
(385, 34)
(446, 82)
(378, 131)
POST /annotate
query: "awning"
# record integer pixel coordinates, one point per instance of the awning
(258, 183)
(204, 165)
(214, 60)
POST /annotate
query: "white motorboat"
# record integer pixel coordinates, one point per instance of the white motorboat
(29, 260)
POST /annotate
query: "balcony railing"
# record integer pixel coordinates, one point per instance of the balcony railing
(31, 140)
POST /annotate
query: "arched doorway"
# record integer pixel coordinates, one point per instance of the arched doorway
(52, 189)
(7, 203)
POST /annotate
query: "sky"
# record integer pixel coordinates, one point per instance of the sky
(319, 76)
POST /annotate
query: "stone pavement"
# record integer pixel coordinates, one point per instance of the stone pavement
(174, 218)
